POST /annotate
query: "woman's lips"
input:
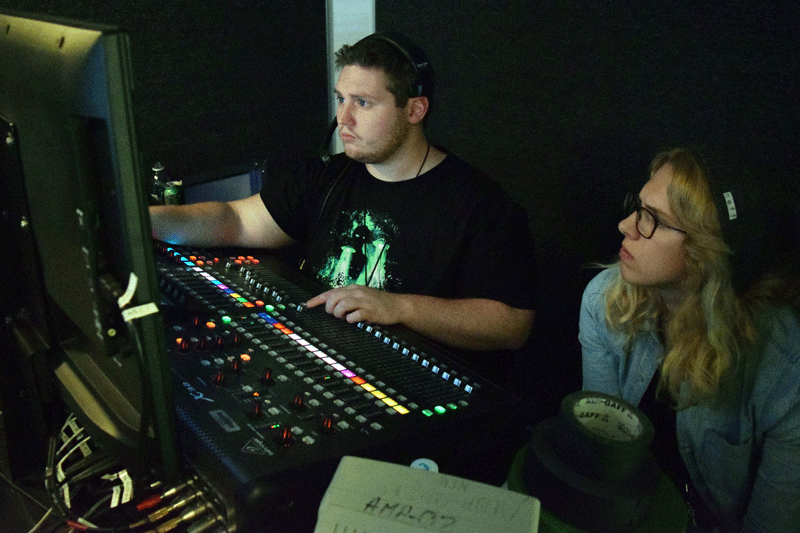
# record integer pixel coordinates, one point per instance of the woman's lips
(625, 255)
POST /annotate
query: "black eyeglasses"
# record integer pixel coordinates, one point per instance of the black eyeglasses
(646, 220)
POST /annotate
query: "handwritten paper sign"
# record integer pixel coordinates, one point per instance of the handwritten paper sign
(368, 496)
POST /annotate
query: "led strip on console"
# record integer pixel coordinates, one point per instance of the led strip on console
(344, 371)
(196, 265)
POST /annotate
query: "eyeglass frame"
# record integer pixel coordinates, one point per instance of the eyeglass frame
(633, 201)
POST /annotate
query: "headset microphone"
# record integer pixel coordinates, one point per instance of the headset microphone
(325, 149)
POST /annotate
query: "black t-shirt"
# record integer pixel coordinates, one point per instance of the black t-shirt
(450, 232)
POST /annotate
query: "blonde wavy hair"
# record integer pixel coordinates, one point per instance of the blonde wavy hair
(707, 334)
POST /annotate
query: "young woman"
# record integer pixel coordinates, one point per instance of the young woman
(694, 327)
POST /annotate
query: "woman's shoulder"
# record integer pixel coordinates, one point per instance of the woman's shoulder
(600, 282)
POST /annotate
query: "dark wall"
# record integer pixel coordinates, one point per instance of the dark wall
(219, 85)
(566, 103)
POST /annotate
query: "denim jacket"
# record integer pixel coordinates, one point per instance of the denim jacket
(744, 458)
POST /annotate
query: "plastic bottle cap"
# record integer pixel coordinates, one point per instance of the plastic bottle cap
(425, 464)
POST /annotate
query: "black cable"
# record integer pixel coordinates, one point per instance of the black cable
(145, 411)
(113, 291)
(48, 480)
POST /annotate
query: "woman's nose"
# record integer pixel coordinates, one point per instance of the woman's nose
(627, 226)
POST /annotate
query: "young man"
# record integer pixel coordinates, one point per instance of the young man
(403, 232)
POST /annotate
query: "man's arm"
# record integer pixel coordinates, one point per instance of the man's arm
(471, 323)
(245, 223)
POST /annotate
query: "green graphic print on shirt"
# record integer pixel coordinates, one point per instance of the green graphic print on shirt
(360, 250)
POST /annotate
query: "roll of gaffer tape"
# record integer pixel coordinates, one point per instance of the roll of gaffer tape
(591, 466)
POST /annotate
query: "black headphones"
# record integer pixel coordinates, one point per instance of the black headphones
(416, 58)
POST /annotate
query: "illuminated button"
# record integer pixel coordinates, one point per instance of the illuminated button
(427, 412)
(452, 406)
(440, 410)
(378, 394)
(368, 387)
(402, 410)
(389, 402)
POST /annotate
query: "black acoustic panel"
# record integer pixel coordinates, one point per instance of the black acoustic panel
(219, 86)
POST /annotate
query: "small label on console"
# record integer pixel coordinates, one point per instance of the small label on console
(225, 421)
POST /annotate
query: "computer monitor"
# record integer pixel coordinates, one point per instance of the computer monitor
(70, 138)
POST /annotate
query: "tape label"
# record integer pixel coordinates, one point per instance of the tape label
(608, 419)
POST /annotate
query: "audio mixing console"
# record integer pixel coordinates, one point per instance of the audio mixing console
(270, 394)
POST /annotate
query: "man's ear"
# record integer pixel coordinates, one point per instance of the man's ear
(417, 109)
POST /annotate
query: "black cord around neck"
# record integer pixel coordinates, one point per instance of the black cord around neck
(368, 280)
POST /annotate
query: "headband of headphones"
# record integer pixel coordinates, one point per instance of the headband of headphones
(415, 57)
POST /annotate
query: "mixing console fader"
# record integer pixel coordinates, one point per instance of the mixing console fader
(270, 394)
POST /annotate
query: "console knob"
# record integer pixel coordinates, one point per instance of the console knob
(285, 437)
(218, 378)
(183, 344)
(256, 407)
(297, 402)
(327, 425)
